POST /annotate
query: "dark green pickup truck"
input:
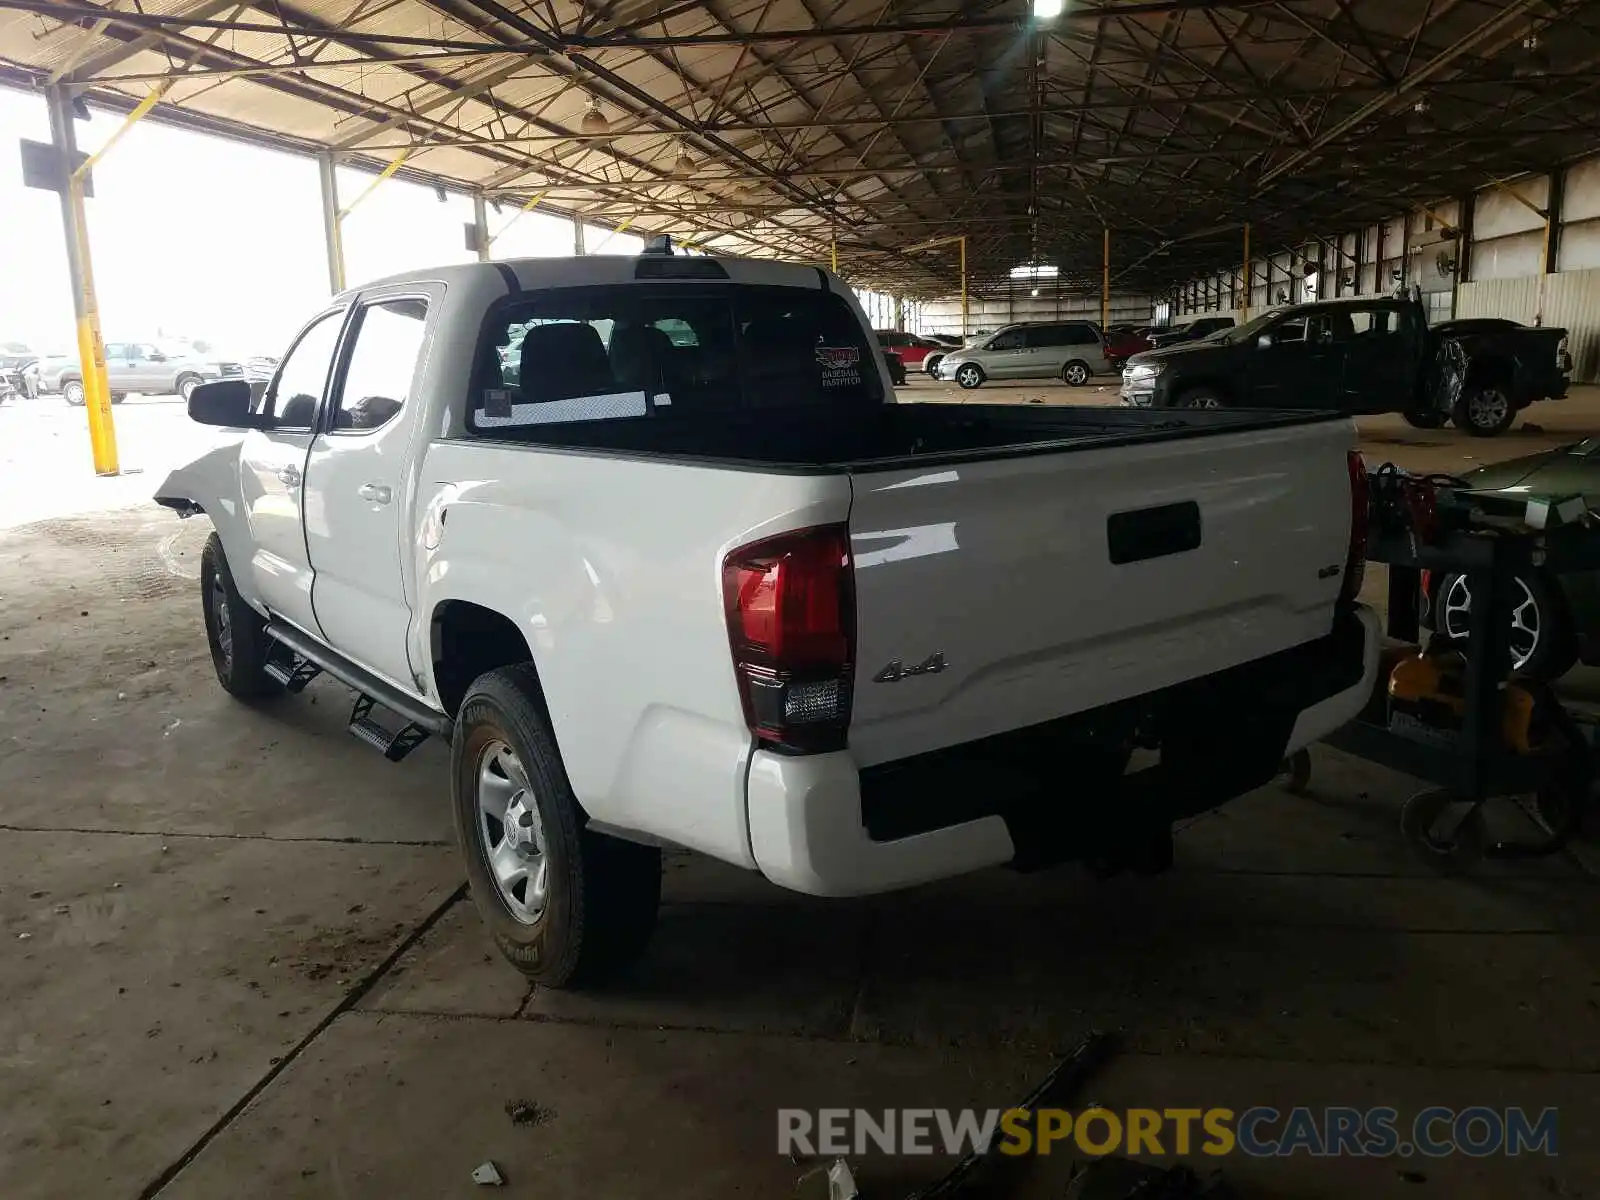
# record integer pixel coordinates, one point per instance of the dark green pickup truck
(1367, 355)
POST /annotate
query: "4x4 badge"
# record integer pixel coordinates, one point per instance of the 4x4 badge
(896, 671)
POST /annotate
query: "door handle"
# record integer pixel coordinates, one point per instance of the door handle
(375, 492)
(289, 476)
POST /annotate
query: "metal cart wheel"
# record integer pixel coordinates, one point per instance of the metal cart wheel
(1445, 841)
(1296, 773)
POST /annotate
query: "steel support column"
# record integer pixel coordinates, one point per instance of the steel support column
(85, 307)
(1105, 280)
(1244, 309)
(480, 225)
(332, 236)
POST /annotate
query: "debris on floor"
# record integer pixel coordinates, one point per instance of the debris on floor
(528, 1112)
(1064, 1079)
(835, 1182)
(1115, 1178)
(487, 1175)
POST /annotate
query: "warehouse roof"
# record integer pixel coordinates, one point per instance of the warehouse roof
(775, 126)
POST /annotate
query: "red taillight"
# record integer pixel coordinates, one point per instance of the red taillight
(1355, 565)
(791, 611)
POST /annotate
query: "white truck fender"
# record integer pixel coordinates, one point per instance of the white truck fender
(210, 484)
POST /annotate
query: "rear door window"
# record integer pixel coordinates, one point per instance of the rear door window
(608, 353)
(1042, 337)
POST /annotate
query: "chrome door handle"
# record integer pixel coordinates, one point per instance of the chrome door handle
(374, 492)
(289, 476)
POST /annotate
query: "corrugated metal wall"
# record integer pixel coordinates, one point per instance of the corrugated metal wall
(944, 316)
(1571, 300)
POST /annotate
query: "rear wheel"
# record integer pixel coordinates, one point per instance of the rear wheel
(1484, 410)
(118, 397)
(1076, 374)
(1424, 418)
(186, 386)
(931, 364)
(564, 905)
(237, 633)
(72, 391)
(970, 376)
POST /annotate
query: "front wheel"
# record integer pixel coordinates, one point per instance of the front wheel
(72, 391)
(563, 904)
(1076, 374)
(1484, 410)
(1200, 398)
(931, 364)
(970, 376)
(236, 633)
(1424, 418)
(187, 385)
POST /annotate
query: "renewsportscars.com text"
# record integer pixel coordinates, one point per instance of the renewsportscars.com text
(1260, 1132)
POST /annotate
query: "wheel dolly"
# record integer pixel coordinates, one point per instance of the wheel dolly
(1439, 525)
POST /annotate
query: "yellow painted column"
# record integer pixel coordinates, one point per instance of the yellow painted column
(1105, 281)
(1244, 309)
(86, 311)
(963, 287)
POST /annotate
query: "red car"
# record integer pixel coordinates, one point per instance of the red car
(1123, 342)
(908, 347)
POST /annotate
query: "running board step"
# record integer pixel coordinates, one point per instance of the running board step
(392, 745)
(294, 674)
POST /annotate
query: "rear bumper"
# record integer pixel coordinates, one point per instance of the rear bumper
(821, 826)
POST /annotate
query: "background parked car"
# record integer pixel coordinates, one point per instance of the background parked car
(944, 343)
(1123, 342)
(1072, 351)
(1556, 618)
(912, 349)
(141, 367)
(19, 367)
(1190, 331)
(1364, 355)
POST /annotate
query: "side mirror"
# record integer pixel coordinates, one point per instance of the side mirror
(225, 402)
(1264, 342)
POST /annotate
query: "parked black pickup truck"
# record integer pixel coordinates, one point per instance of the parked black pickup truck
(1367, 355)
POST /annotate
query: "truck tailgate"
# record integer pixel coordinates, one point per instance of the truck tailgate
(999, 594)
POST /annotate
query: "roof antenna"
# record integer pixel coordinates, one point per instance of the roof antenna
(659, 245)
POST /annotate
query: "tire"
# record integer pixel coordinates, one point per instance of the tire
(931, 364)
(1076, 374)
(1484, 410)
(1200, 398)
(186, 385)
(1428, 418)
(235, 632)
(1544, 640)
(600, 895)
(1449, 854)
(72, 392)
(970, 375)
(118, 397)
(1296, 773)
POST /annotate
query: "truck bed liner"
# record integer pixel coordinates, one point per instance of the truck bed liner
(835, 439)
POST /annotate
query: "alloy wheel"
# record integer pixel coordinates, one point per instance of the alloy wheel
(1455, 618)
(511, 833)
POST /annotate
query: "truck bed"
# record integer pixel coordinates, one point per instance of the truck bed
(882, 437)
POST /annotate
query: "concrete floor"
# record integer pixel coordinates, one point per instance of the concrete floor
(238, 961)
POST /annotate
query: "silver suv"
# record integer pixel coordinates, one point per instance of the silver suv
(137, 367)
(1071, 351)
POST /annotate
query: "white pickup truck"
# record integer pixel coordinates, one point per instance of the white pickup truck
(650, 543)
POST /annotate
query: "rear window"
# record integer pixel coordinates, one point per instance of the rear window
(669, 351)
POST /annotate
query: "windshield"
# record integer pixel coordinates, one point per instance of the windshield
(1243, 333)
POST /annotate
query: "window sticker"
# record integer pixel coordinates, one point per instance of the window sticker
(841, 366)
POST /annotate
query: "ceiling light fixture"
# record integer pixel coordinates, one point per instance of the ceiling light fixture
(684, 165)
(594, 123)
(1047, 10)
